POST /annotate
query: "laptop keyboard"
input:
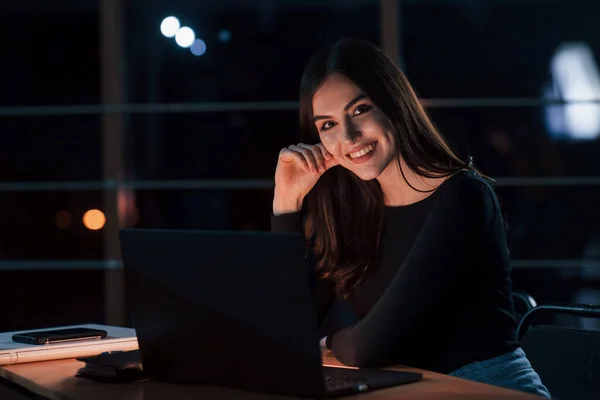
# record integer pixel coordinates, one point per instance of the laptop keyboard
(335, 377)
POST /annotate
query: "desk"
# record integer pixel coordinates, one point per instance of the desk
(56, 381)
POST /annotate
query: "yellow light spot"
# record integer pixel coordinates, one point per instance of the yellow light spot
(94, 219)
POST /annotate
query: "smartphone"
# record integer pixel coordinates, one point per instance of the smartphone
(59, 336)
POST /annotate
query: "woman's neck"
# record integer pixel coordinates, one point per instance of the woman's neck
(397, 188)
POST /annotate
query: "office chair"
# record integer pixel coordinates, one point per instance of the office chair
(523, 303)
(567, 359)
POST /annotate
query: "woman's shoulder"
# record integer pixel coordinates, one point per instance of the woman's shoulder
(470, 187)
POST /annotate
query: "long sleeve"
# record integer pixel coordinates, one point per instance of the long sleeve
(324, 291)
(461, 219)
(287, 223)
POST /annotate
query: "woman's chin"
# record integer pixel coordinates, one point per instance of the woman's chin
(366, 174)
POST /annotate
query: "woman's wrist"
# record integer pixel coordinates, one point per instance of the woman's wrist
(286, 204)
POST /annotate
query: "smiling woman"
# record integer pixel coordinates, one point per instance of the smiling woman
(354, 99)
(354, 131)
(406, 233)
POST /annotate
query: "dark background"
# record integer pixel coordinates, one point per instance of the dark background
(451, 49)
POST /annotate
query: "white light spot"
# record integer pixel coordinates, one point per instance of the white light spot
(169, 26)
(577, 78)
(185, 37)
(198, 48)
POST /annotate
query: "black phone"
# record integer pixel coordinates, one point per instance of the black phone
(59, 335)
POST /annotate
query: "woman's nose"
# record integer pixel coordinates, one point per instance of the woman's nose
(351, 133)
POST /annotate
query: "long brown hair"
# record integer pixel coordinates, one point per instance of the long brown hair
(344, 214)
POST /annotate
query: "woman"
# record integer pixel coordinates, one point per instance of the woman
(406, 233)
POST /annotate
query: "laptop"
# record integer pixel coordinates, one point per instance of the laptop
(233, 309)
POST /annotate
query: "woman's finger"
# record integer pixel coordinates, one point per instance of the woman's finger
(330, 161)
(309, 156)
(317, 153)
(288, 155)
(327, 155)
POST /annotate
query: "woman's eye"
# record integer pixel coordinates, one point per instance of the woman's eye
(363, 108)
(326, 126)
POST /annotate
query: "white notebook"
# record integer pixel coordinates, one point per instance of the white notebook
(117, 339)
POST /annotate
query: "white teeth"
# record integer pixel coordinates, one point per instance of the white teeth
(362, 152)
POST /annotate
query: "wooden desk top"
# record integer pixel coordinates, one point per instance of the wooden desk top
(56, 380)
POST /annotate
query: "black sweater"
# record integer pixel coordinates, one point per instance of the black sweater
(440, 297)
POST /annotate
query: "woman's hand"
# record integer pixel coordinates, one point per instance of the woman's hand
(298, 169)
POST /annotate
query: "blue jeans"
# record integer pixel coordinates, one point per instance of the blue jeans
(510, 370)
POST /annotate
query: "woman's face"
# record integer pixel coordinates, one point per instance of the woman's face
(351, 128)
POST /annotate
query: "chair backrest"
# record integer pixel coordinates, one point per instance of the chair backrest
(567, 359)
(523, 303)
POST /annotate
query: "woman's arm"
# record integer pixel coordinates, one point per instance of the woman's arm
(460, 221)
(287, 223)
